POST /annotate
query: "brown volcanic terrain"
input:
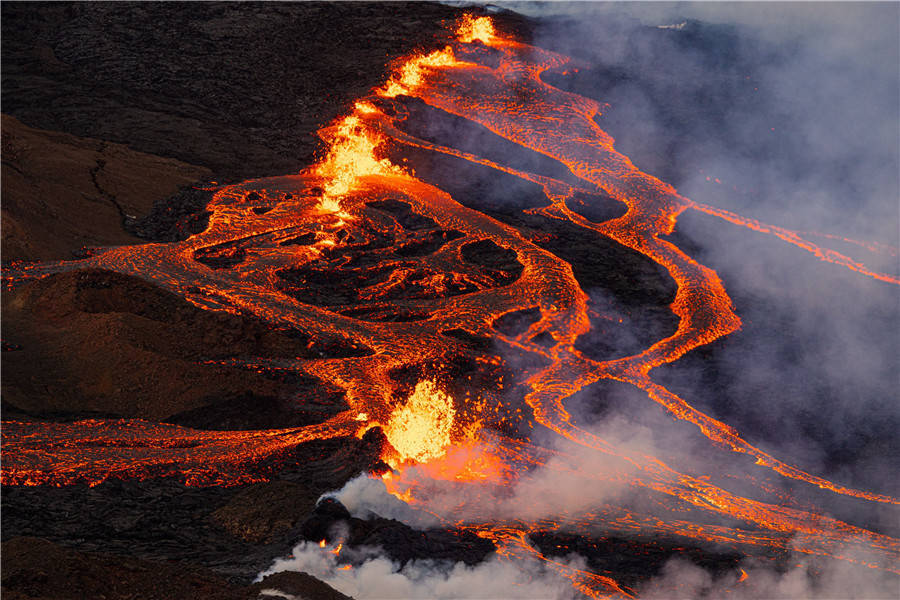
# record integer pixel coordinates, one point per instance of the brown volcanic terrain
(36, 568)
(112, 108)
(62, 192)
(98, 342)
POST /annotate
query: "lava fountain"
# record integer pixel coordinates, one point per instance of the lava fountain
(423, 280)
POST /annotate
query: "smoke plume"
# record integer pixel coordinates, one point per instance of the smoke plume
(372, 575)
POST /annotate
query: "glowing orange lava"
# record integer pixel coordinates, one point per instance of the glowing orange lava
(413, 72)
(473, 28)
(404, 306)
(419, 430)
(351, 155)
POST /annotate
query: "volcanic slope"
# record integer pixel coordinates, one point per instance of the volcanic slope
(421, 280)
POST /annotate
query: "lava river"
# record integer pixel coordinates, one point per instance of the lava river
(358, 248)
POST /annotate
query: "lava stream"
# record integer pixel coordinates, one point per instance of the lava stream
(399, 303)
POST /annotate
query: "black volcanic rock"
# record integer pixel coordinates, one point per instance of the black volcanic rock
(263, 512)
(236, 87)
(517, 322)
(331, 521)
(175, 218)
(327, 513)
(234, 531)
(300, 585)
(270, 512)
(403, 214)
(34, 568)
(633, 560)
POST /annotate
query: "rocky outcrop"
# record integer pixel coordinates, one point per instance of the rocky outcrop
(399, 541)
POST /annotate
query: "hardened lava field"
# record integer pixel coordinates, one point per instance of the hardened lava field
(429, 270)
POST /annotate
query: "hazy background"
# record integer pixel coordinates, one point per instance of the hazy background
(793, 108)
(786, 113)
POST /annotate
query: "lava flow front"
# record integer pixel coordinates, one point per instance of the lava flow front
(362, 247)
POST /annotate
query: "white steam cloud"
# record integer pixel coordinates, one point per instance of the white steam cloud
(375, 576)
(832, 367)
(573, 480)
(803, 580)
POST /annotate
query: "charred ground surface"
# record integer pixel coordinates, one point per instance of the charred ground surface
(141, 100)
(235, 531)
(237, 88)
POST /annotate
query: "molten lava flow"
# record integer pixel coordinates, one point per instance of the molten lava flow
(796, 238)
(514, 545)
(361, 253)
(94, 451)
(413, 72)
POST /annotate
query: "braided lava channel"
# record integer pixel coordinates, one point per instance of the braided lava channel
(399, 250)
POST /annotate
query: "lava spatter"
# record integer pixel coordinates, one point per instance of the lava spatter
(420, 429)
(392, 263)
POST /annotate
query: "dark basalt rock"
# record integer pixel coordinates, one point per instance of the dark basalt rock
(403, 214)
(265, 513)
(445, 129)
(236, 87)
(299, 585)
(517, 322)
(475, 341)
(402, 543)
(634, 561)
(221, 256)
(596, 207)
(501, 264)
(326, 513)
(301, 240)
(250, 411)
(174, 219)
(428, 243)
(344, 284)
(35, 568)
(235, 531)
